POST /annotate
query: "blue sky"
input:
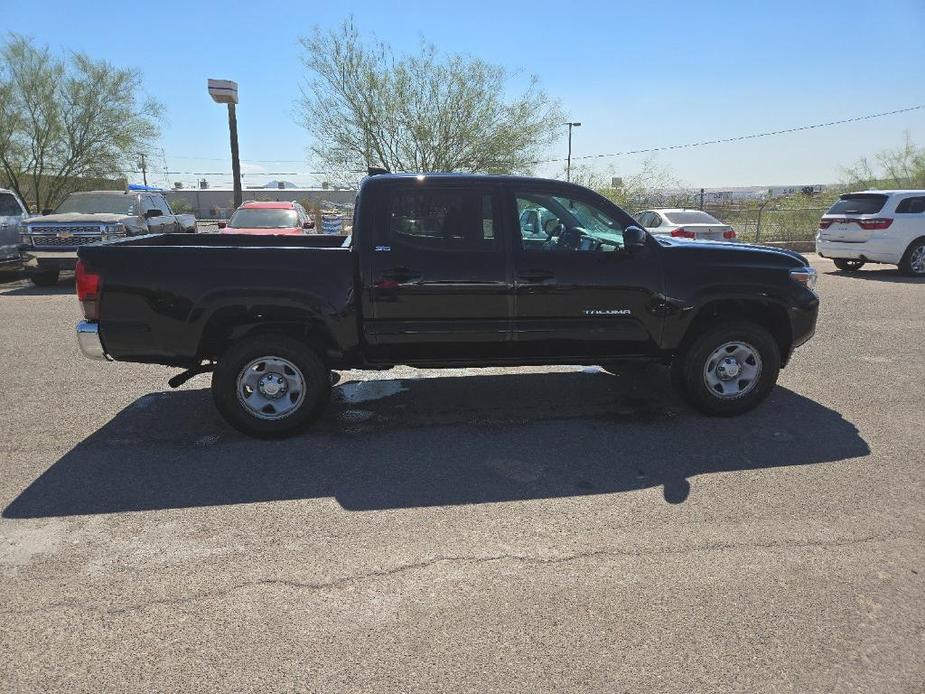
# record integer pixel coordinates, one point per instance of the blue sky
(635, 74)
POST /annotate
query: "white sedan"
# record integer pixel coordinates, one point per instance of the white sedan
(685, 224)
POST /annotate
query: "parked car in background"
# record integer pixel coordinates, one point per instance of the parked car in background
(685, 224)
(12, 214)
(51, 240)
(875, 226)
(273, 218)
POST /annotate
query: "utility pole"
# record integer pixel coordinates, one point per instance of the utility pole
(568, 165)
(144, 171)
(701, 198)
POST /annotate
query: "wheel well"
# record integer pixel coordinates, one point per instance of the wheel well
(911, 244)
(770, 316)
(222, 331)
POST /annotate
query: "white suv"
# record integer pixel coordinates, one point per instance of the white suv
(875, 226)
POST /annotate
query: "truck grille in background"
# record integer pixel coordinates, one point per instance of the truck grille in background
(65, 235)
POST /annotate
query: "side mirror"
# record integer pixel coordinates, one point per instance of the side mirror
(152, 213)
(222, 225)
(47, 211)
(634, 238)
(308, 225)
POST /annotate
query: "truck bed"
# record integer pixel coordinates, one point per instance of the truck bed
(171, 298)
(236, 241)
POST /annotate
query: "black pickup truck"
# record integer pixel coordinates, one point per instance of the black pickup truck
(446, 270)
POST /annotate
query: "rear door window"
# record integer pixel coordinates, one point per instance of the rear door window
(859, 203)
(443, 219)
(911, 206)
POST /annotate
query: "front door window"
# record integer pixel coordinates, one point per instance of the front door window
(556, 223)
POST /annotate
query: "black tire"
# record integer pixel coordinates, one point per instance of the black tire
(905, 265)
(45, 278)
(689, 369)
(307, 402)
(848, 264)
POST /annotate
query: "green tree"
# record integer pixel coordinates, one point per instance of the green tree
(364, 105)
(902, 167)
(64, 119)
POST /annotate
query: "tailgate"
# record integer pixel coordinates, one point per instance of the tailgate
(844, 229)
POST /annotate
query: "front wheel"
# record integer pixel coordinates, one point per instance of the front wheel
(848, 264)
(45, 278)
(270, 386)
(729, 369)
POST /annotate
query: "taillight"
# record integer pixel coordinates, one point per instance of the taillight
(682, 233)
(868, 224)
(88, 291)
(729, 234)
(872, 224)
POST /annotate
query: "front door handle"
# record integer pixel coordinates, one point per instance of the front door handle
(535, 276)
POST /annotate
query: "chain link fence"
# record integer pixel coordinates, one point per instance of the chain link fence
(755, 223)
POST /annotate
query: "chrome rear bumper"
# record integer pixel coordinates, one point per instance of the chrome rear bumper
(88, 337)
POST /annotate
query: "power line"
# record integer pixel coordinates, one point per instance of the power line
(664, 148)
(753, 136)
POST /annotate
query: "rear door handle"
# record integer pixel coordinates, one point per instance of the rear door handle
(535, 276)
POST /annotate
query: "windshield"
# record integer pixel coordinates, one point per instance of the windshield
(256, 218)
(864, 203)
(691, 217)
(116, 203)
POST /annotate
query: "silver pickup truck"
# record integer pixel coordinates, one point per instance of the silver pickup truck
(12, 214)
(50, 242)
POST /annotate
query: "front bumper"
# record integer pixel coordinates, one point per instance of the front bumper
(876, 250)
(60, 260)
(88, 338)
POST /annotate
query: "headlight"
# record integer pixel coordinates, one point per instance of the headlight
(25, 236)
(805, 276)
(111, 231)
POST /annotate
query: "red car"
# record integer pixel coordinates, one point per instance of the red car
(268, 218)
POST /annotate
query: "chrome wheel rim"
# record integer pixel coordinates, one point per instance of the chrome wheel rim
(270, 388)
(917, 260)
(732, 370)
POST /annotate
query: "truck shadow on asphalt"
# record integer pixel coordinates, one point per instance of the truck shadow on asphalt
(63, 288)
(879, 275)
(391, 444)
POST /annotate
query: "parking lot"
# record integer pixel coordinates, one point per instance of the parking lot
(493, 530)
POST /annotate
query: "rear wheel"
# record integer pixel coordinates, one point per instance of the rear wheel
(45, 278)
(270, 386)
(913, 262)
(729, 369)
(848, 264)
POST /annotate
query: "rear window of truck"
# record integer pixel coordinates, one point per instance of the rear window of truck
(859, 203)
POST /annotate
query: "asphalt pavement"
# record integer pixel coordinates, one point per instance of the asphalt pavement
(538, 529)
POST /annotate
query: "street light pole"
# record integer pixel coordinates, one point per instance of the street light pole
(235, 162)
(226, 92)
(568, 165)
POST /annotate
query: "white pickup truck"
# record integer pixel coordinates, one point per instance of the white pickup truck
(50, 242)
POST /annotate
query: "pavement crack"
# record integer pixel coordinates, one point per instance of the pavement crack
(344, 581)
